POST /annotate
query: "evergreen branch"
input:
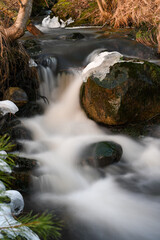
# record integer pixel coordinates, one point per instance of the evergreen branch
(44, 225)
(5, 145)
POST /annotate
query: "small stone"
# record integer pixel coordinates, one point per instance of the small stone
(102, 154)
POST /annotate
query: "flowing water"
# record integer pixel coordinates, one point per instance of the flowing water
(120, 202)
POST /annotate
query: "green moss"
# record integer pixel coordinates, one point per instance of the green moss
(82, 16)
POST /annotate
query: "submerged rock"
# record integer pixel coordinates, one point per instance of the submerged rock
(128, 93)
(75, 36)
(102, 154)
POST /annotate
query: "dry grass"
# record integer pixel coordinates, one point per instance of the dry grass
(124, 13)
(8, 12)
(136, 12)
(14, 67)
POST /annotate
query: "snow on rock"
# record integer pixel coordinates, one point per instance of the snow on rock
(100, 65)
(11, 227)
(55, 23)
(4, 167)
(8, 224)
(8, 106)
(17, 202)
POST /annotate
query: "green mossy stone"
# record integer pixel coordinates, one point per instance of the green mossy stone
(80, 14)
(101, 154)
(129, 93)
(107, 153)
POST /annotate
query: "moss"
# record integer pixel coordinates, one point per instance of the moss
(129, 93)
(83, 14)
(64, 9)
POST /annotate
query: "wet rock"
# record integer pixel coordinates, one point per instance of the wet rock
(30, 109)
(22, 181)
(75, 36)
(48, 61)
(24, 164)
(23, 172)
(16, 95)
(102, 154)
(12, 126)
(20, 132)
(129, 93)
(32, 46)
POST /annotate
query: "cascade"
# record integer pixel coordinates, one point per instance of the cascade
(124, 204)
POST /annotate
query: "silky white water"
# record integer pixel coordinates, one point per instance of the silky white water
(124, 204)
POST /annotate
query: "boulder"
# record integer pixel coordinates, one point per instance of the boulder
(16, 95)
(128, 93)
(102, 154)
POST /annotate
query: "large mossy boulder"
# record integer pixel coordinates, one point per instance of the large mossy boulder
(130, 92)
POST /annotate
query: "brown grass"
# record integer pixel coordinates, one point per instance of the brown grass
(14, 67)
(124, 13)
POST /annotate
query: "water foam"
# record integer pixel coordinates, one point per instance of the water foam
(125, 203)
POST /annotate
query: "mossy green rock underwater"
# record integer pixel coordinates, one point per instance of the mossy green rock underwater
(129, 93)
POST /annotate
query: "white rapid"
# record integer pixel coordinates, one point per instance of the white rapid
(124, 204)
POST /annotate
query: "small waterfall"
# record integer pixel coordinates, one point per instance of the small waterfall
(53, 84)
(125, 203)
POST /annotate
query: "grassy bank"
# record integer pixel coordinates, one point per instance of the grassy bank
(141, 14)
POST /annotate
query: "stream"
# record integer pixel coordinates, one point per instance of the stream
(120, 202)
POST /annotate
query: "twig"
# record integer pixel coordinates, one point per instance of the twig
(21, 3)
(46, 3)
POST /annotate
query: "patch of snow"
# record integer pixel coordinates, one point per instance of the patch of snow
(67, 22)
(4, 167)
(3, 154)
(2, 187)
(100, 65)
(17, 202)
(32, 63)
(8, 106)
(55, 23)
(7, 223)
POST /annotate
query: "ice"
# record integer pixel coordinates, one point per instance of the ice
(55, 23)
(100, 65)
(8, 106)
(2, 187)
(12, 227)
(8, 224)
(32, 63)
(4, 167)
(17, 202)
